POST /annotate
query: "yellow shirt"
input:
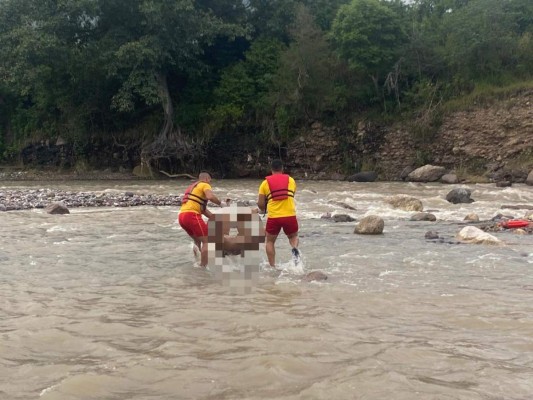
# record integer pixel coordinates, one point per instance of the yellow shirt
(279, 208)
(193, 206)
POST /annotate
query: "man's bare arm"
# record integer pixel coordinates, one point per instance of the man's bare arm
(211, 197)
(261, 202)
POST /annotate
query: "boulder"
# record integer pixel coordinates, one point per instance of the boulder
(405, 173)
(368, 176)
(459, 195)
(342, 218)
(424, 216)
(502, 217)
(529, 179)
(507, 174)
(472, 217)
(3, 208)
(471, 234)
(431, 235)
(57, 208)
(370, 225)
(427, 173)
(404, 202)
(315, 276)
(504, 184)
(449, 179)
(337, 177)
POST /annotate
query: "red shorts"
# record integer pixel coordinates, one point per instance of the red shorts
(289, 225)
(193, 224)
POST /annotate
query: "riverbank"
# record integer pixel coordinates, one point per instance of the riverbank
(10, 173)
(26, 199)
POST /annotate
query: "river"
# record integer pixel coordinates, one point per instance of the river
(106, 303)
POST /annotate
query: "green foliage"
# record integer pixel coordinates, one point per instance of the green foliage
(423, 157)
(271, 18)
(485, 94)
(305, 83)
(283, 123)
(85, 68)
(243, 86)
(166, 36)
(480, 39)
(525, 54)
(370, 36)
(367, 34)
(324, 11)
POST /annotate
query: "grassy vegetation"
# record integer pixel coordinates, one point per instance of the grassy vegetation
(523, 160)
(485, 94)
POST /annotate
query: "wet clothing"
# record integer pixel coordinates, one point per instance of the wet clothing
(289, 225)
(279, 190)
(193, 224)
(194, 199)
(280, 197)
(193, 204)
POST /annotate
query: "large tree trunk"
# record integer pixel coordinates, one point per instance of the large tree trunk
(170, 147)
(168, 108)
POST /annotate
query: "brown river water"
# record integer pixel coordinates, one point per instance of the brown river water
(106, 303)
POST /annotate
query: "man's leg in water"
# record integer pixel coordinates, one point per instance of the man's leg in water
(270, 249)
(291, 230)
(294, 240)
(196, 248)
(201, 243)
(203, 251)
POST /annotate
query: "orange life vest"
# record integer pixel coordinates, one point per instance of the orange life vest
(192, 197)
(279, 187)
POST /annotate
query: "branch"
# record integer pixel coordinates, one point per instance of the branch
(178, 175)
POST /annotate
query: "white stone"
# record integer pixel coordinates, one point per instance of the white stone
(471, 234)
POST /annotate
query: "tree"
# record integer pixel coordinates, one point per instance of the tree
(368, 34)
(271, 18)
(42, 46)
(152, 41)
(324, 11)
(136, 52)
(305, 84)
(480, 41)
(241, 94)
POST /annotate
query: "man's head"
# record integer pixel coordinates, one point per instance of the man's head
(276, 165)
(204, 177)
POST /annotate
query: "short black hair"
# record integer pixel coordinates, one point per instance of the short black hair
(276, 165)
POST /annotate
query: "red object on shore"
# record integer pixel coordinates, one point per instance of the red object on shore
(515, 223)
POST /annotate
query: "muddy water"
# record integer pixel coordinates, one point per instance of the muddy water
(106, 303)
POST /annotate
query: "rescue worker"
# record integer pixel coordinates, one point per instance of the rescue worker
(276, 198)
(193, 205)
